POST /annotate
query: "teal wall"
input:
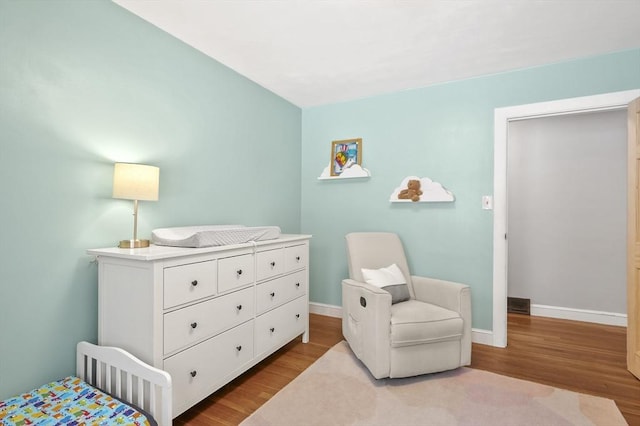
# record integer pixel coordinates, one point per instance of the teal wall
(84, 84)
(444, 132)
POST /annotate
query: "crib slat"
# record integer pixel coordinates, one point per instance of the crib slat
(99, 374)
(118, 383)
(152, 396)
(140, 393)
(129, 387)
(107, 385)
(89, 377)
(80, 366)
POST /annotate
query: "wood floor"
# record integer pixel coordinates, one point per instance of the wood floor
(578, 356)
(571, 355)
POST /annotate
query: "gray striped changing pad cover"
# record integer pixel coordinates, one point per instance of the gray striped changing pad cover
(212, 235)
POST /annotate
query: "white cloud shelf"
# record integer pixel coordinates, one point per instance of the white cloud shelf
(432, 192)
(353, 172)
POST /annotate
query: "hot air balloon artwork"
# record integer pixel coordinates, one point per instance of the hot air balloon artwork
(344, 154)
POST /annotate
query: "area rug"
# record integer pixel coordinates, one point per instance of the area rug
(338, 390)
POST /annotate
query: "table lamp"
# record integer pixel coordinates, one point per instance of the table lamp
(135, 182)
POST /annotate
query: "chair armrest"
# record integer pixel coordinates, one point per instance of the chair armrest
(367, 328)
(449, 295)
(375, 291)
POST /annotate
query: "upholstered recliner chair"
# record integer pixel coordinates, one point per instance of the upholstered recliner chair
(428, 332)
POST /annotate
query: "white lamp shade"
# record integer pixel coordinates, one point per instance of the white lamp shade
(135, 181)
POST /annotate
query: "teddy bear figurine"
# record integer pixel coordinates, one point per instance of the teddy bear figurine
(413, 191)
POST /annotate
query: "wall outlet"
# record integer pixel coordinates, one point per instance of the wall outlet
(487, 202)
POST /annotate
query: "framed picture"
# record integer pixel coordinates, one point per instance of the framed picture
(344, 154)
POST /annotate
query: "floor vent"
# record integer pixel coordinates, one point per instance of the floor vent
(516, 305)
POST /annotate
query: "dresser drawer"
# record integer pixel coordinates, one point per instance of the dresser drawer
(269, 263)
(205, 319)
(234, 272)
(277, 327)
(273, 293)
(202, 369)
(186, 283)
(296, 257)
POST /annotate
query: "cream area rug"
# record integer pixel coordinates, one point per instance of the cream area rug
(338, 390)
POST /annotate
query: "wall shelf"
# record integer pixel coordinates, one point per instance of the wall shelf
(432, 192)
(353, 172)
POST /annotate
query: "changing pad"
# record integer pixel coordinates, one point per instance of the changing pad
(212, 235)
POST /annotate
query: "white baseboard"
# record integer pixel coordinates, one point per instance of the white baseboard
(484, 337)
(326, 310)
(599, 317)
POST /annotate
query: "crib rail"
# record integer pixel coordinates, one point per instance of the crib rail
(122, 375)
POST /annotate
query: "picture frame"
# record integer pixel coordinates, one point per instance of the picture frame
(344, 154)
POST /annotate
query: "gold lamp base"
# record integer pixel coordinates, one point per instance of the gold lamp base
(133, 243)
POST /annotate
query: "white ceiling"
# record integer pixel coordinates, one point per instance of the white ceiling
(314, 52)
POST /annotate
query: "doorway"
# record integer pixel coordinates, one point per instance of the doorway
(503, 116)
(567, 215)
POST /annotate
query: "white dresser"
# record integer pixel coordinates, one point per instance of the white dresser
(205, 315)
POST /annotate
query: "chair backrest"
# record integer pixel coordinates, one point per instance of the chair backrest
(374, 250)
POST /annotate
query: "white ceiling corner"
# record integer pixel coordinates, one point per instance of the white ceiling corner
(314, 52)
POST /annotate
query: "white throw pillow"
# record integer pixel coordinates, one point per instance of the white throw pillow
(389, 279)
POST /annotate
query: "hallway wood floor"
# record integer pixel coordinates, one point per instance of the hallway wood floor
(577, 356)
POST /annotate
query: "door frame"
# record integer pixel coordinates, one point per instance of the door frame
(502, 117)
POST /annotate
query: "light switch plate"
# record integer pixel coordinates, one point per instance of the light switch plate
(487, 202)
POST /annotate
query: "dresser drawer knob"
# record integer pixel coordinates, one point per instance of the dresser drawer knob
(194, 324)
(194, 283)
(297, 258)
(297, 315)
(273, 264)
(272, 329)
(193, 373)
(239, 272)
(239, 307)
(273, 294)
(239, 348)
(297, 284)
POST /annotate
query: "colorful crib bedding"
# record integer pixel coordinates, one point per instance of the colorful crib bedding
(69, 402)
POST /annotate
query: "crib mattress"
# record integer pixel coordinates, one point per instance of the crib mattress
(212, 235)
(72, 402)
